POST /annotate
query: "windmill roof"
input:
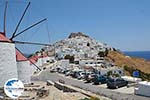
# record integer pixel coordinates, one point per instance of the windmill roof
(3, 38)
(33, 59)
(19, 55)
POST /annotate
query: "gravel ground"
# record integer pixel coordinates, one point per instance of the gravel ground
(54, 93)
(46, 75)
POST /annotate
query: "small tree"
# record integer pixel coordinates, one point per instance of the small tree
(101, 54)
(71, 58)
(106, 52)
(109, 73)
(94, 98)
(116, 75)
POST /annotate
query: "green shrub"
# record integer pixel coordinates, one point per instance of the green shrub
(94, 98)
(144, 76)
(71, 58)
(91, 98)
(85, 99)
(109, 73)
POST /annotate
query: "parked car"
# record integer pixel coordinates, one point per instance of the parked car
(90, 77)
(53, 70)
(99, 79)
(116, 83)
(86, 75)
(81, 75)
(75, 74)
(67, 72)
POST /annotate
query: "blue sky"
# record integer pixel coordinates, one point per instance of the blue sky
(123, 24)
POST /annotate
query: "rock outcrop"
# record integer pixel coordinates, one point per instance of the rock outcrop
(74, 34)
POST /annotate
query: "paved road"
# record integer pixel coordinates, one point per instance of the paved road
(44, 76)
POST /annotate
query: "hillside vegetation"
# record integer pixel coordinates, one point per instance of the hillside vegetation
(130, 64)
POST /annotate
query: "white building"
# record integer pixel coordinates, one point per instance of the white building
(143, 88)
(63, 64)
(91, 62)
(131, 79)
(44, 60)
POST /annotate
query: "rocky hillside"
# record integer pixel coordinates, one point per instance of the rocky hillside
(78, 34)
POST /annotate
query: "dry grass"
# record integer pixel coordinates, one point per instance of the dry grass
(122, 60)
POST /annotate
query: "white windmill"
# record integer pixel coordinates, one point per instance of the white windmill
(13, 64)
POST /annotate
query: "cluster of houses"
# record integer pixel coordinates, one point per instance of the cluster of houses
(84, 51)
(101, 66)
(79, 46)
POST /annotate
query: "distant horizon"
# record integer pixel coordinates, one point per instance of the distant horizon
(139, 54)
(136, 51)
(121, 51)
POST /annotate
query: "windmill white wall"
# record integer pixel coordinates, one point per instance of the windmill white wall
(25, 71)
(8, 67)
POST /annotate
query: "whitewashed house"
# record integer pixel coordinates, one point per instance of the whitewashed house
(90, 62)
(63, 63)
(143, 89)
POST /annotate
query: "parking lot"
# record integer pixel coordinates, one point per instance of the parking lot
(125, 89)
(110, 93)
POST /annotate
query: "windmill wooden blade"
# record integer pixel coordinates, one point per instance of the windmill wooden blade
(20, 21)
(33, 43)
(5, 18)
(28, 28)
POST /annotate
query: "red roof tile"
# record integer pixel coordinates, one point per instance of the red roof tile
(33, 59)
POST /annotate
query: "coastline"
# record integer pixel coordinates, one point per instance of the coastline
(138, 54)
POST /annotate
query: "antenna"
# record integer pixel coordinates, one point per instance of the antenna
(5, 18)
(20, 21)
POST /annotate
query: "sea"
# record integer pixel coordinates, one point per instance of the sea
(139, 54)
